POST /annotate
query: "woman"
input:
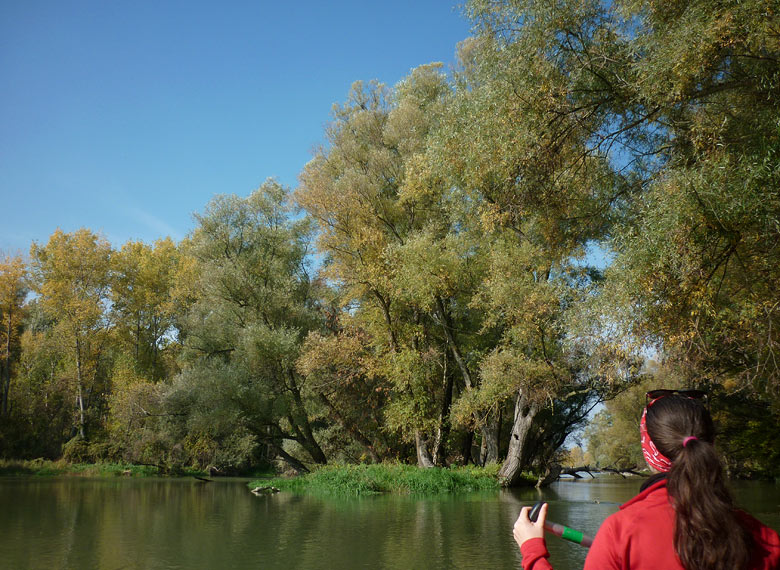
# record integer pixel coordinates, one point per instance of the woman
(684, 517)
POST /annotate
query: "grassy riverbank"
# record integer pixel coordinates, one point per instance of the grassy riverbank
(357, 480)
(46, 468)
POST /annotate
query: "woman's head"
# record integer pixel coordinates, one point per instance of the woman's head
(672, 421)
(677, 437)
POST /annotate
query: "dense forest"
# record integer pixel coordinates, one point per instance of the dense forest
(586, 206)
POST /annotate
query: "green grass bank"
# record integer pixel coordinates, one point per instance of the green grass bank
(360, 480)
(47, 468)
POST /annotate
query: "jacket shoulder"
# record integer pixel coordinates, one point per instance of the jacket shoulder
(766, 542)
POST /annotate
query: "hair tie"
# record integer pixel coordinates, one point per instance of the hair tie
(689, 438)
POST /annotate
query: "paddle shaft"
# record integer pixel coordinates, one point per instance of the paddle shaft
(560, 530)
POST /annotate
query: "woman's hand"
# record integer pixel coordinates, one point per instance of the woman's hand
(524, 529)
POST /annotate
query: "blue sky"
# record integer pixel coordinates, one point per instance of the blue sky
(127, 117)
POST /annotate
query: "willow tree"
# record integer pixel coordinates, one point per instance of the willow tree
(72, 276)
(662, 117)
(384, 229)
(526, 138)
(351, 189)
(698, 259)
(252, 304)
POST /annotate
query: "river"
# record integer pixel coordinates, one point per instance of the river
(122, 523)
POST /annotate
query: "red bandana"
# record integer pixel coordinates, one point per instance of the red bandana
(654, 458)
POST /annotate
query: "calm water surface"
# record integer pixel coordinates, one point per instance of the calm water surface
(178, 523)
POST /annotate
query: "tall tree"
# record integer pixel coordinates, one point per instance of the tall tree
(612, 112)
(72, 277)
(143, 304)
(253, 306)
(383, 227)
(698, 258)
(516, 143)
(13, 290)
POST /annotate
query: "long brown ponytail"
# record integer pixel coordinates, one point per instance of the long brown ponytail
(708, 534)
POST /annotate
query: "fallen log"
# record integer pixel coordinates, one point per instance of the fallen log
(622, 472)
(265, 490)
(574, 471)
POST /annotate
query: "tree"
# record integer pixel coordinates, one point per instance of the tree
(13, 291)
(597, 120)
(41, 418)
(252, 306)
(72, 277)
(369, 224)
(341, 371)
(697, 257)
(143, 305)
(517, 140)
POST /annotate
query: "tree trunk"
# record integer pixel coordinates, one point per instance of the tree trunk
(466, 449)
(352, 430)
(423, 456)
(137, 339)
(309, 442)
(443, 430)
(155, 349)
(294, 463)
(388, 320)
(525, 412)
(489, 451)
(489, 454)
(447, 322)
(80, 395)
(551, 475)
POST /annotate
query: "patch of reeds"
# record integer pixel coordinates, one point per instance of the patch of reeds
(360, 480)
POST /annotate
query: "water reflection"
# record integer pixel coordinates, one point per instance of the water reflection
(170, 524)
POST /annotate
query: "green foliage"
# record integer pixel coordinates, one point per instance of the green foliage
(250, 307)
(359, 480)
(144, 306)
(112, 470)
(13, 290)
(76, 450)
(747, 435)
(413, 376)
(344, 374)
(208, 412)
(613, 435)
(37, 467)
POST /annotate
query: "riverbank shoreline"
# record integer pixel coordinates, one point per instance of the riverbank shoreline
(49, 468)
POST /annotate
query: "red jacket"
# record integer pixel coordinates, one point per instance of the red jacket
(640, 536)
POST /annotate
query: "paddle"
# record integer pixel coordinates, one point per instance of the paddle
(559, 530)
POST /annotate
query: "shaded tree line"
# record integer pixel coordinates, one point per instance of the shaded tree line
(431, 291)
